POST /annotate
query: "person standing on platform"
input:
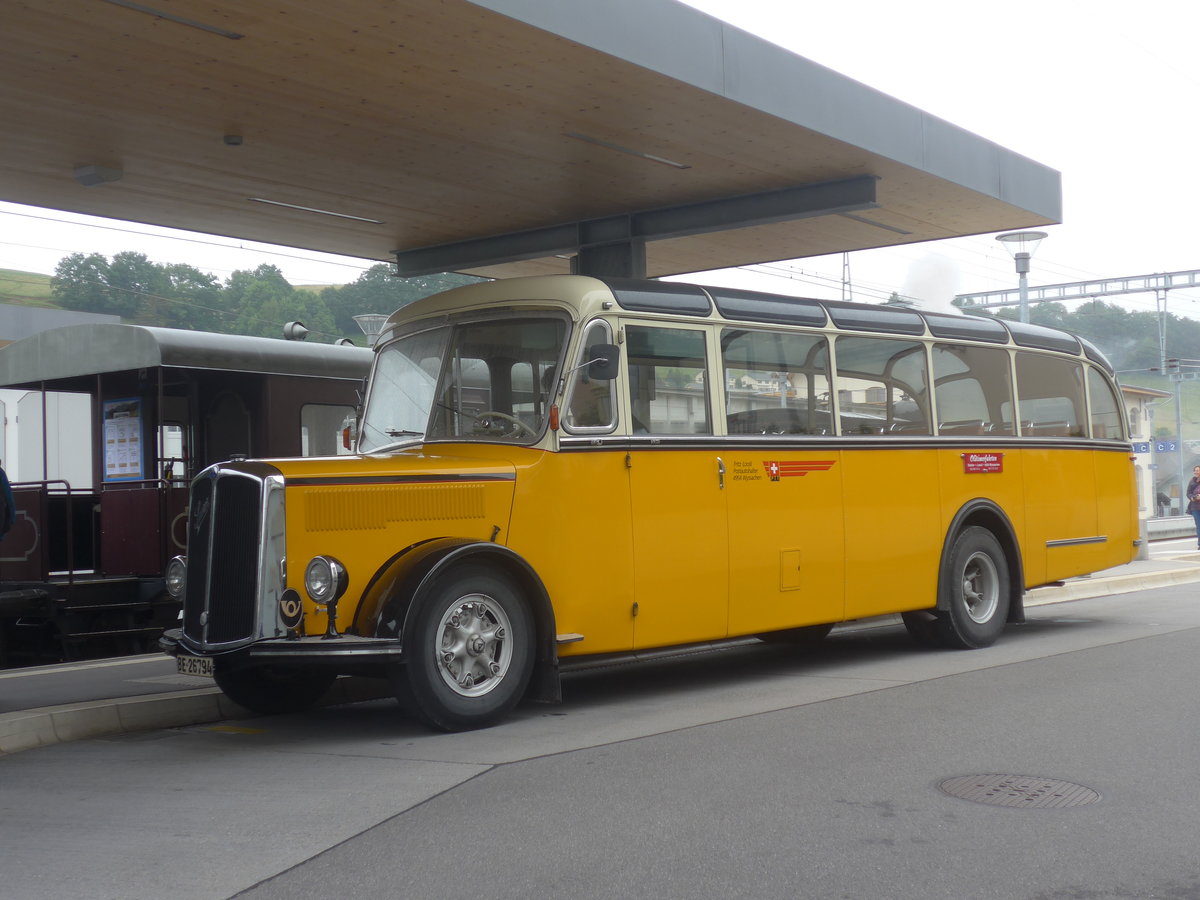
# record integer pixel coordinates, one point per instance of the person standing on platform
(1193, 497)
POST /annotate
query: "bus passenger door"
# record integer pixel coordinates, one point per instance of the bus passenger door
(680, 553)
(680, 523)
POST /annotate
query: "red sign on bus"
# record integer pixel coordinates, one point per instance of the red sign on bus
(983, 462)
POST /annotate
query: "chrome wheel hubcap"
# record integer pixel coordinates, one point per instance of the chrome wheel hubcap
(474, 650)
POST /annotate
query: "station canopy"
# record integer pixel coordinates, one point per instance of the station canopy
(496, 137)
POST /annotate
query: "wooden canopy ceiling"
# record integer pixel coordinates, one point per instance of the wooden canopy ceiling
(491, 130)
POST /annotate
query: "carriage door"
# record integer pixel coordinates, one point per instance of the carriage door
(176, 467)
(680, 530)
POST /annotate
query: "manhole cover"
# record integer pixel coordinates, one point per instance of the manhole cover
(1023, 791)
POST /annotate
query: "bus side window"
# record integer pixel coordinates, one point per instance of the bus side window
(775, 383)
(883, 386)
(1050, 396)
(973, 389)
(668, 393)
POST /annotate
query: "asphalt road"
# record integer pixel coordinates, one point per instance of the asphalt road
(757, 771)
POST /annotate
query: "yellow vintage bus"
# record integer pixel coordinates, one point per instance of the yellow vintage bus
(555, 468)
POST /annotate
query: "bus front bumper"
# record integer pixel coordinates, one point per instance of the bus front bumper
(343, 651)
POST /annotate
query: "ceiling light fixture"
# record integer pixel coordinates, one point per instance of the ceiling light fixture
(179, 20)
(638, 153)
(321, 212)
(93, 175)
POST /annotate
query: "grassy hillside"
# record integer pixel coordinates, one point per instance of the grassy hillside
(1164, 411)
(25, 289)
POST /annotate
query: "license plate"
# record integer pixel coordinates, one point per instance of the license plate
(194, 665)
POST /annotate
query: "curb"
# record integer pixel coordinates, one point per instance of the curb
(1086, 587)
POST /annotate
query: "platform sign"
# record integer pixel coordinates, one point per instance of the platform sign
(1141, 446)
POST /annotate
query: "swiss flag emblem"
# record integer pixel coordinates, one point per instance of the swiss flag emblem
(795, 469)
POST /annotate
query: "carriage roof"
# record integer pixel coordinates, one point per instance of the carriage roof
(74, 351)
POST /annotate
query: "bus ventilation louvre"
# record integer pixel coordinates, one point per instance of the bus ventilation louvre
(223, 538)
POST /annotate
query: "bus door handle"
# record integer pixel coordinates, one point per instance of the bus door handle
(721, 473)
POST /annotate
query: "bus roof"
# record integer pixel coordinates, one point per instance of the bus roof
(587, 296)
(72, 351)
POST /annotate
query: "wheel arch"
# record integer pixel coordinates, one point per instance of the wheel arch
(986, 514)
(396, 589)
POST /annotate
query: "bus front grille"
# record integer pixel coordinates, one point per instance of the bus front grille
(221, 599)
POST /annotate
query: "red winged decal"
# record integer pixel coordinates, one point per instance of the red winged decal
(777, 470)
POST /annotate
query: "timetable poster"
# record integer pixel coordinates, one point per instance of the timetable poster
(122, 439)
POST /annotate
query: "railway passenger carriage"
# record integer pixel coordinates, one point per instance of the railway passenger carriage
(552, 469)
(81, 573)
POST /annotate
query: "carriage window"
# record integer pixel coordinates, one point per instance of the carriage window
(667, 389)
(882, 387)
(775, 383)
(1050, 396)
(321, 427)
(973, 388)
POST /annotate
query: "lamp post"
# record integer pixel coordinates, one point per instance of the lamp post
(371, 324)
(1021, 246)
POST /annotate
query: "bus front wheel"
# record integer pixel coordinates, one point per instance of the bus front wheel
(973, 595)
(469, 649)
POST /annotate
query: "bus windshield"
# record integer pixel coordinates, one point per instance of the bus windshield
(482, 380)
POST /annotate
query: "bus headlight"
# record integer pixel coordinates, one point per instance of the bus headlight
(325, 579)
(176, 577)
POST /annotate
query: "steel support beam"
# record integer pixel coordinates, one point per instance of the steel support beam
(615, 245)
(1084, 290)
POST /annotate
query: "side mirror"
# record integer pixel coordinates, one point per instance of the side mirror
(603, 360)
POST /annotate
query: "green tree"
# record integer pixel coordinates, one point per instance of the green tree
(263, 301)
(81, 282)
(377, 290)
(137, 290)
(190, 299)
(134, 281)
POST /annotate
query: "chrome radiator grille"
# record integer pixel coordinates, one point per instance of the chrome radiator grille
(220, 604)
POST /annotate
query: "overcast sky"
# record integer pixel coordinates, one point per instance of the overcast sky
(1103, 91)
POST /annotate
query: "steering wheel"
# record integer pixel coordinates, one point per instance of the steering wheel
(483, 417)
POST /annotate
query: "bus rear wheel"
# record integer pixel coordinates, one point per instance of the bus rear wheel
(273, 689)
(973, 595)
(469, 650)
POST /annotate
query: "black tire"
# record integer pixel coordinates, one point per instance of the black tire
(469, 651)
(973, 592)
(273, 689)
(809, 634)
